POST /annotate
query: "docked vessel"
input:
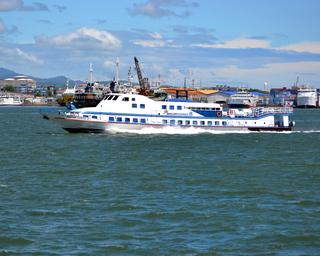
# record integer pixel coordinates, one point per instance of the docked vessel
(90, 97)
(242, 99)
(10, 100)
(307, 98)
(135, 112)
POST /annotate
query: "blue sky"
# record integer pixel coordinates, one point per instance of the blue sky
(234, 42)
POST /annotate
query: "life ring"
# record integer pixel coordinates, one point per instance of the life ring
(218, 114)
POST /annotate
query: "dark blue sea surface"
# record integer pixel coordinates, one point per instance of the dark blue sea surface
(157, 194)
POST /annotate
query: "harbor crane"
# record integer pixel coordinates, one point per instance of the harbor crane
(143, 81)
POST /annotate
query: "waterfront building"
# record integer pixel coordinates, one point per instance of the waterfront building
(282, 96)
(21, 84)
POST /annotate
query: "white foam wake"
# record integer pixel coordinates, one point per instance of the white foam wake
(192, 130)
(174, 130)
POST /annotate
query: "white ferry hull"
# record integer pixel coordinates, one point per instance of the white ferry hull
(82, 126)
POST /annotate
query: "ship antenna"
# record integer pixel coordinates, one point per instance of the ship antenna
(117, 71)
(129, 76)
(91, 74)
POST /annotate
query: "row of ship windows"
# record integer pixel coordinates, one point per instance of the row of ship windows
(127, 120)
(164, 121)
(172, 107)
(115, 97)
(194, 122)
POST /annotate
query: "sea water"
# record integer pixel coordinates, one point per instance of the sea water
(152, 193)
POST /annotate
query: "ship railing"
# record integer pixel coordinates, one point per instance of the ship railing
(272, 110)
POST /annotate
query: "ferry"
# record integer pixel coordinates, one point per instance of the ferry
(242, 99)
(307, 98)
(10, 100)
(135, 112)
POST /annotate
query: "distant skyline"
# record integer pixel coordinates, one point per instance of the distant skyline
(233, 42)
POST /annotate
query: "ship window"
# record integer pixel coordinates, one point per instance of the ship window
(142, 106)
(135, 120)
(164, 121)
(143, 120)
(171, 107)
(115, 97)
(133, 99)
(224, 123)
(134, 105)
(210, 123)
(109, 97)
(179, 122)
(94, 117)
(187, 122)
(202, 123)
(164, 106)
(217, 123)
(172, 122)
(85, 116)
(125, 99)
(179, 108)
(119, 119)
(111, 118)
(127, 120)
(194, 122)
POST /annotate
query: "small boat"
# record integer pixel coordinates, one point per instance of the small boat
(118, 112)
(10, 100)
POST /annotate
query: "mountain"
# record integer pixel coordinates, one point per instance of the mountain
(53, 81)
(6, 73)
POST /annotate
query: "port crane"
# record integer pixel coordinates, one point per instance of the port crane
(143, 81)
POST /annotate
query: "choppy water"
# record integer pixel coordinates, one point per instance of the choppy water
(157, 194)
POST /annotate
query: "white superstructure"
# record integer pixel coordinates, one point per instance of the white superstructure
(10, 100)
(307, 98)
(242, 99)
(134, 112)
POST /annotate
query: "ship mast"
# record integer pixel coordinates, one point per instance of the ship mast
(117, 71)
(129, 76)
(90, 74)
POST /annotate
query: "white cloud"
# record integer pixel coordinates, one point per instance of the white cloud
(156, 41)
(152, 43)
(11, 5)
(163, 8)
(311, 47)
(251, 43)
(276, 73)
(84, 38)
(238, 43)
(8, 5)
(28, 57)
(156, 35)
(109, 64)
